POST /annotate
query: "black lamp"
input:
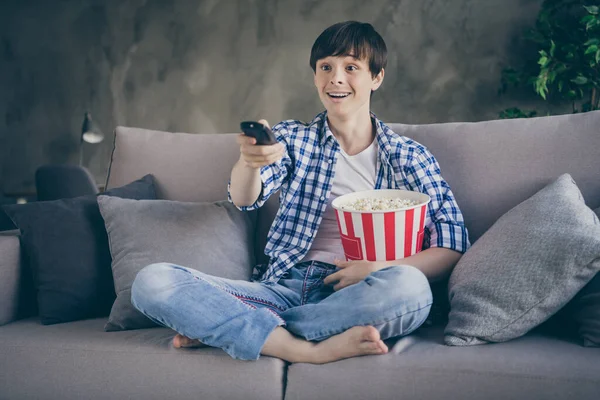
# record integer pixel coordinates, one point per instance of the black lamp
(90, 133)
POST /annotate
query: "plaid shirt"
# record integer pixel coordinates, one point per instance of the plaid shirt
(305, 177)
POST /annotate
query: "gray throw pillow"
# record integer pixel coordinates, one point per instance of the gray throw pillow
(215, 238)
(585, 310)
(582, 314)
(525, 268)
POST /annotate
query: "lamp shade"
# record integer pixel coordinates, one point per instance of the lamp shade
(90, 131)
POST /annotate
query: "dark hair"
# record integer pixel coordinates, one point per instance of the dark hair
(351, 38)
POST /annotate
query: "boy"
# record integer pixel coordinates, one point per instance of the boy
(307, 305)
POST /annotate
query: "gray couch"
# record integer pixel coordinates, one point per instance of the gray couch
(491, 167)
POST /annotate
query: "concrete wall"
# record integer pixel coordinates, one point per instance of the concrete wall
(204, 65)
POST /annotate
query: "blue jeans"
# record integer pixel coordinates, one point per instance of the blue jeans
(238, 316)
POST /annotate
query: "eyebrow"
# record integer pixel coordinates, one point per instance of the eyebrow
(345, 56)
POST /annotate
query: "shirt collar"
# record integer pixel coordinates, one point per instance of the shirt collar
(380, 135)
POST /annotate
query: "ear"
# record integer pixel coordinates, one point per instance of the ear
(378, 80)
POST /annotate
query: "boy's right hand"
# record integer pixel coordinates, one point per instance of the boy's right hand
(254, 156)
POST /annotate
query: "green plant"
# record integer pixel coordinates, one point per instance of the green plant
(516, 112)
(566, 62)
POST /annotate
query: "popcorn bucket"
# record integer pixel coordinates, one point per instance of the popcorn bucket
(381, 235)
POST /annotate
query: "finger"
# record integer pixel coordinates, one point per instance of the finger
(262, 159)
(341, 263)
(332, 278)
(264, 122)
(258, 164)
(265, 150)
(243, 139)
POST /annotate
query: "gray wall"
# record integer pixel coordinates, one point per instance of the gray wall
(204, 65)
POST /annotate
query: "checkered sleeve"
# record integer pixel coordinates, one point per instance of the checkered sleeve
(445, 226)
(272, 176)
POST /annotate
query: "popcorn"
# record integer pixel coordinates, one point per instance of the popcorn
(378, 204)
(381, 224)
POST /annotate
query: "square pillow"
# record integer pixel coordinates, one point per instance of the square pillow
(581, 316)
(66, 248)
(525, 268)
(215, 238)
(585, 310)
(6, 223)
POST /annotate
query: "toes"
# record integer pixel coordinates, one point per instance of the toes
(184, 341)
(376, 347)
(370, 334)
(176, 342)
(369, 346)
(383, 347)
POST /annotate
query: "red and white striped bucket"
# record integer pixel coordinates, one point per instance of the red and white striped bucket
(382, 235)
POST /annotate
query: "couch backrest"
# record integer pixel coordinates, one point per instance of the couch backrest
(491, 166)
(186, 167)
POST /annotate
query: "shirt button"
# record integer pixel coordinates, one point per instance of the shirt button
(288, 261)
(322, 198)
(330, 161)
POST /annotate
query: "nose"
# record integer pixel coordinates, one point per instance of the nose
(337, 76)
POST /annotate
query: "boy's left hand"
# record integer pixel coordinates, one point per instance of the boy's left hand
(351, 272)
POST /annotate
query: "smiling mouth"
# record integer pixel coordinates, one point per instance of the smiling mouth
(338, 95)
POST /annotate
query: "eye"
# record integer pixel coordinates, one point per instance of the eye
(352, 67)
(325, 67)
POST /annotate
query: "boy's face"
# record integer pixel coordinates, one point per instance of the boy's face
(344, 84)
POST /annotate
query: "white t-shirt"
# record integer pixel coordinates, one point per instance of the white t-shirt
(352, 173)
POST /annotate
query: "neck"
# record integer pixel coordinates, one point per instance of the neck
(354, 132)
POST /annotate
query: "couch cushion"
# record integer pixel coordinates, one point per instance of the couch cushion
(185, 166)
(6, 223)
(201, 173)
(525, 268)
(492, 166)
(585, 309)
(78, 360)
(16, 292)
(420, 366)
(212, 237)
(66, 249)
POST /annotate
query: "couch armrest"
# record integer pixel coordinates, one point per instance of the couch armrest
(10, 276)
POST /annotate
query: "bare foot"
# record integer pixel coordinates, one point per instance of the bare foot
(180, 341)
(356, 341)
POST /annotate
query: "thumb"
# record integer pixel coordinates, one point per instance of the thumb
(340, 263)
(264, 122)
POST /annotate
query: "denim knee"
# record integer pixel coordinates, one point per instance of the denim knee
(148, 283)
(406, 284)
(410, 298)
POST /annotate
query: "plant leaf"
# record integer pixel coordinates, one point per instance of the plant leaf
(592, 42)
(586, 19)
(591, 9)
(591, 49)
(580, 80)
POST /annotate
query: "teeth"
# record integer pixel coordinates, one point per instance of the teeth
(339, 94)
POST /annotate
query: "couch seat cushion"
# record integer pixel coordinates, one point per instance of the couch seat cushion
(212, 237)
(79, 360)
(421, 366)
